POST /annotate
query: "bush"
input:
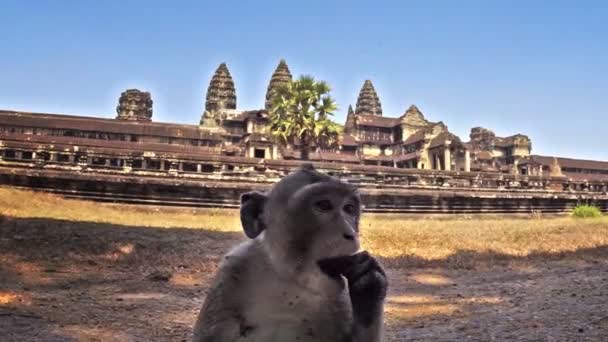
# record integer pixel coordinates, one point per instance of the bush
(586, 211)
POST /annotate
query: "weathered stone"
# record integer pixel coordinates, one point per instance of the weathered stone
(368, 102)
(221, 93)
(135, 105)
(280, 76)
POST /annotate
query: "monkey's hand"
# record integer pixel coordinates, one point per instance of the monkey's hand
(367, 284)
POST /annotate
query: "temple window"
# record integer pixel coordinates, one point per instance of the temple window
(98, 161)
(27, 155)
(207, 168)
(9, 154)
(137, 163)
(153, 164)
(189, 167)
(63, 158)
(259, 153)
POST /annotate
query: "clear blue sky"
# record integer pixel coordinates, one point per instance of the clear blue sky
(535, 67)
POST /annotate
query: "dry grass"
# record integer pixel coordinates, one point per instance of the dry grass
(26, 204)
(399, 240)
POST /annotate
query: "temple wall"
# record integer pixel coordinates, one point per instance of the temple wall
(224, 189)
(371, 150)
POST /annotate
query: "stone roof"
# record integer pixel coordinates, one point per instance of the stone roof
(376, 121)
(419, 135)
(94, 124)
(513, 140)
(408, 156)
(572, 163)
(368, 102)
(100, 146)
(484, 155)
(413, 116)
(590, 177)
(281, 75)
(348, 140)
(221, 93)
(441, 139)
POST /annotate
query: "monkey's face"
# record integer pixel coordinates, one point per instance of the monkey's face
(309, 215)
(325, 219)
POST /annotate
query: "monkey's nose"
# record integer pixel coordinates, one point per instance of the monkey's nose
(348, 236)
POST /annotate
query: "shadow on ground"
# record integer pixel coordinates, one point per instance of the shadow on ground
(81, 281)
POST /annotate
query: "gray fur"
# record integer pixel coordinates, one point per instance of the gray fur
(272, 288)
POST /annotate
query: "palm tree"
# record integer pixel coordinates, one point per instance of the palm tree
(300, 113)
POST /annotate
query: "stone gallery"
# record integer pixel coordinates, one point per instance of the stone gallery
(233, 146)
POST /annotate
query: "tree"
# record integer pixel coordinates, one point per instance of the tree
(300, 114)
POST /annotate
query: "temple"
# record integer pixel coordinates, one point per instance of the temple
(228, 138)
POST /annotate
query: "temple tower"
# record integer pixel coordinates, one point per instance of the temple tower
(412, 121)
(349, 126)
(221, 93)
(281, 75)
(134, 105)
(368, 102)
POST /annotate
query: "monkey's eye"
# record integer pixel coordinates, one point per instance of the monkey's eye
(324, 205)
(350, 209)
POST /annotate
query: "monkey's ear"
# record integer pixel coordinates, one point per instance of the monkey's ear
(252, 206)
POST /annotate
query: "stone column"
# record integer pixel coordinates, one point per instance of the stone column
(53, 156)
(467, 160)
(1, 155)
(199, 168)
(275, 152)
(71, 158)
(249, 126)
(34, 155)
(447, 158)
(127, 165)
(267, 153)
(180, 166)
(251, 152)
(437, 162)
(18, 155)
(144, 163)
(162, 165)
(108, 162)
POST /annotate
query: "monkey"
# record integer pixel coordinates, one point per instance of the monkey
(301, 275)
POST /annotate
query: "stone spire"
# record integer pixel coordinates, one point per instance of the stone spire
(555, 170)
(350, 110)
(221, 93)
(350, 120)
(135, 105)
(281, 75)
(368, 102)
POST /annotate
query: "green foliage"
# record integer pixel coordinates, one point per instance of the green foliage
(586, 211)
(300, 113)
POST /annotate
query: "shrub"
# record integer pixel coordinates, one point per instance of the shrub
(586, 211)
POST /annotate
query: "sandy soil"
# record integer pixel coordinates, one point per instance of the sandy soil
(67, 281)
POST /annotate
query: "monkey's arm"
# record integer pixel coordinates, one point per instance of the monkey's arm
(217, 321)
(367, 287)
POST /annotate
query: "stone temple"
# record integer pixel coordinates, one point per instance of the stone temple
(231, 142)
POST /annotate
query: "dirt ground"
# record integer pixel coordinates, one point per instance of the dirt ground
(78, 281)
